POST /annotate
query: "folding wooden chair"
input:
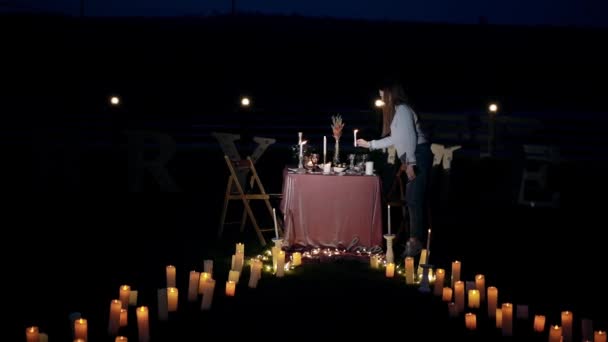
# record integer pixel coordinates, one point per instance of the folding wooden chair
(236, 189)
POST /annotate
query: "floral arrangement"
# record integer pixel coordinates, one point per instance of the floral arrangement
(337, 125)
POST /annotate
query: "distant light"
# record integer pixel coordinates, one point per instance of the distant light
(245, 102)
(114, 100)
(493, 108)
(379, 103)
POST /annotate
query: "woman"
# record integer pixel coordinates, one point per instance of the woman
(402, 130)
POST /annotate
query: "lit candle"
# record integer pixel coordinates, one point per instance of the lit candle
(539, 323)
(45, 337)
(455, 271)
(447, 294)
(124, 317)
(208, 290)
(240, 248)
(439, 280)
(299, 138)
(121, 339)
(32, 334)
(492, 300)
(409, 270)
(390, 270)
(373, 261)
(280, 264)
(114, 320)
(470, 321)
(498, 315)
(171, 276)
(459, 295)
(201, 281)
(599, 336)
(297, 258)
(80, 328)
(474, 298)
(193, 286)
(208, 267)
(555, 333)
(324, 149)
(133, 297)
(124, 295)
(567, 326)
(234, 276)
(276, 228)
(507, 319)
(172, 298)
(452, 309)
(230, 288)
(388, 210)
(428, 241)
(356, 137)
(143, 324)
(480, 284)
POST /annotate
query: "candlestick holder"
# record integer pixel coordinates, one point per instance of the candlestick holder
(390, 256)
(424, 281)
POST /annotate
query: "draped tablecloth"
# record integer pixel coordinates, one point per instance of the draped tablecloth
(331, 210)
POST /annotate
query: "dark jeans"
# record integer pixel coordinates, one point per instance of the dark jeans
(416, 192)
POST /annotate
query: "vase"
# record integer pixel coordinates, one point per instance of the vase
(336, 160)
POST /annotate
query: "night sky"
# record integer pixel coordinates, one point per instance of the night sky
(580, 13)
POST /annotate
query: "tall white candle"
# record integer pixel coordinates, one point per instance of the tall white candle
(143, 324)
(389, 219)
(299, 138)
(123, 294)
(428, 242)
(171, 275)
(172, 298)
(114, 320)
(80, 328)
(567, 326)
(276, 228)
(324, 148)
(356, 137)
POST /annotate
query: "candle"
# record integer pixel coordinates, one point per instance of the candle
(555, 333)
(452, 309)
(280, 264)
(474, 298)
(208, 267)
(161, 297)
(470, 321)
(234, 276)
(599, 336)
(389, 219)
(114, 320)
(133, 297)
(121, 339)
(201, 281)
(422, 261)
(409, 270)
(208, 290)
(428, 241)
(124, 317)
(587, 329)
(32, 334)
(302, 147)
(356, 137)
(498, 315)
(390, 270)
(124, 295)
(447, 294)
(230, 288)
(507, 319)
(324, 149)
(143, 324)
(240, 248)
(459, 295)
(480, 284)
(170, 276)
(172, 298)
(455, 271)
(439, 280)
(276, 228)
(193, 286)
(492, 300)
(255, 274)
(299, 138)
(567, 326)
(297, 259)
(539, 323)
(80, 328)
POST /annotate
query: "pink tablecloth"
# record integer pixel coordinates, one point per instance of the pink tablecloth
(331, 211)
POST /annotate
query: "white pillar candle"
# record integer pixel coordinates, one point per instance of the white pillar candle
(208, 290)
(599, 336)
(32, 334)
(459, 296)
(473, 296)
(234, 276)
(143, 324)
(428, 242)
(480, 284)
(172, 299)
(124, 317)
(276, 226)
(121, 339)
(124, 295)
(492, 300)
(507, 319)
(439, 280)
(281, 264)
(567, 326)
(133, 297)
(555, 333)
(324, 149)
(201, 280)
(162, 305)
(447, 294)
(171, 275)
(240, 248)
(114, 320)
(409, 270)
(539, 323)
(455, 271)
(388, 216)
(80, 328)
(390, 270)
(230, 288)
(355, 141)
(208, 267)
(470, 321)
(193, 286)
(498, 316)
(297, 259)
